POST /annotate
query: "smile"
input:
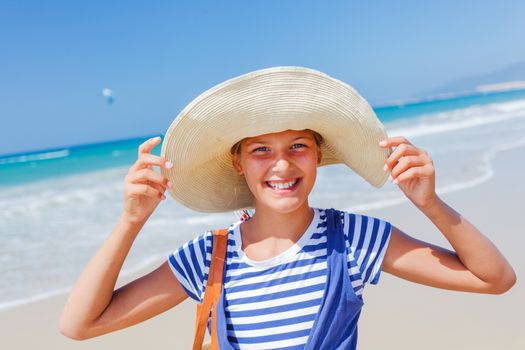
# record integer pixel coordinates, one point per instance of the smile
(286, 185)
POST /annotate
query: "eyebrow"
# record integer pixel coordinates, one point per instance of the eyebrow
(304, 137)
(295, 139)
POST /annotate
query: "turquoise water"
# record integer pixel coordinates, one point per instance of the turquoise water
(413, 110)
(45, 164)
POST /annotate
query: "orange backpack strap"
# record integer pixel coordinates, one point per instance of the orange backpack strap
(212, 292)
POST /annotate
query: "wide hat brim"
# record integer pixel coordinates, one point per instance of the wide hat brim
(199, 140)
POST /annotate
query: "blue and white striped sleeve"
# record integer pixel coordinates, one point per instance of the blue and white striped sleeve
(368, 239)
(190, 264)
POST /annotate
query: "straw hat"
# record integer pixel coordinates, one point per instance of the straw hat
(265, 101)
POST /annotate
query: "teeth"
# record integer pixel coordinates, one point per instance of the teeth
(281, 185)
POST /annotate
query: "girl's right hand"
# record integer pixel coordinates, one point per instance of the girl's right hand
(143, 187)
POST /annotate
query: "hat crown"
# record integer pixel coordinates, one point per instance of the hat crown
(266, 101)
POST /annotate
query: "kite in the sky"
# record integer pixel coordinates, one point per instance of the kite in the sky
(108, 95)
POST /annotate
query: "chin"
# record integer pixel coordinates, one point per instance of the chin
(284, 206)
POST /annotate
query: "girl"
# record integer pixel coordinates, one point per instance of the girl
(293, 274)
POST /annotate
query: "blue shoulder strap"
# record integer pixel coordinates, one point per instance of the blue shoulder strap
(335, 326)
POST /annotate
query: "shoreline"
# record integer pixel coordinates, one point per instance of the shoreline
(409, 315)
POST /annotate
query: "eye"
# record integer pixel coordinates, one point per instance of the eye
(260, 149)
(298, 145)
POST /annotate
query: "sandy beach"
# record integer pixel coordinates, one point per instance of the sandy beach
(397, 314)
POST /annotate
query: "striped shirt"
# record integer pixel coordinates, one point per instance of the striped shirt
(272, 304)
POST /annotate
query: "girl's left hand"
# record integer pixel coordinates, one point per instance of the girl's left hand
(412, 170)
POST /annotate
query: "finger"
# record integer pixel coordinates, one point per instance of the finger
(143, 190)
(422, 171)
(148, 145)
(158, 188)
(148, 175)
(403, 150)
(406, 163)
(394, 141)
(145, 175)
(147, 160)
(161, 189)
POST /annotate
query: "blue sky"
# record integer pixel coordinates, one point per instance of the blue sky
(57, 56)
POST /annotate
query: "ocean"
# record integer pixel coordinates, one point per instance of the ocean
(58, 205)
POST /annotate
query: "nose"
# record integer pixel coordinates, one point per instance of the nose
(281, 163)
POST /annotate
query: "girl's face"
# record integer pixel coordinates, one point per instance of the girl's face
(279, 168)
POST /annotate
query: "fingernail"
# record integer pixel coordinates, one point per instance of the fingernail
(382, 143)
(396, 181)
(168, 165)
(170, 184)
(163, 197)
(157, 138)
(389, 177)
(385, 168)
